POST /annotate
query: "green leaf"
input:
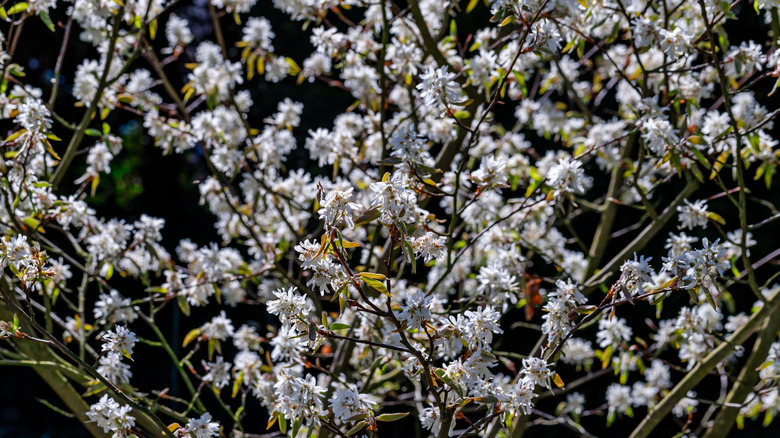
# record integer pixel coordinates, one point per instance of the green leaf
(375, 281)
(716, 217)
(33, 223)
(17, 8)
(183, 305)
(708, 295)
(213, 346)
(409, 250)
(586, 310)
(237, 384)
(191, 336)
(606, 356)
(719, 163)
(391, 417)
(356, 428)
(489, 400)
(92, 132)
(14, 136)
(339, 326)
(46, 20)
(472, 4)
(153, 29)
(368, 216)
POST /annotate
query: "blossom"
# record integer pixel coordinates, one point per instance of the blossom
(120, 342)
(291, 307)
(619, 399)
(220, 327)
(438, 87)
(416, 311)
(491, 173)
(429, 246)
(202, 427)
(177, 31)
(299, 398)
(693, 214)
(568, 176)
(336, 207)
(218, 372)
(613, 332)
(394, 201)
(111, 416)
(348, 402)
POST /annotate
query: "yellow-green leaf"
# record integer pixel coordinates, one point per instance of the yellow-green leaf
(183, 305)
(44, 16)
(191, 336)
(557, 380)
(378, 285)
(391, 417)
(153, 29)
(237, 384)
(356, 428)
(716, 217)
(339, 326)
(17, 8)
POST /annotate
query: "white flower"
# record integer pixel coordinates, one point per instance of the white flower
(613, 332)
(633, 275)
(568, 176)
(658, 374)
(111, 417)
(348, 402)
(679, 244)
(492, 173)
(393, 199)
(438, 88)
(482, 323)
(686, 406)
(120, 342)
(257, 32)
(177, 31)
(416, 310)
(575, 404)
(676, 42)
(336, 207)
(34, 116)
(693, 215)
(111, 367)
(619, 399)
(537, 371)
(658, 134)
(568, 292)
(220, 327)
(202, 427)
(291, 307)
(410, 147)
(577, 351)
(218, 372)
(429, 246)
(299, 398)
